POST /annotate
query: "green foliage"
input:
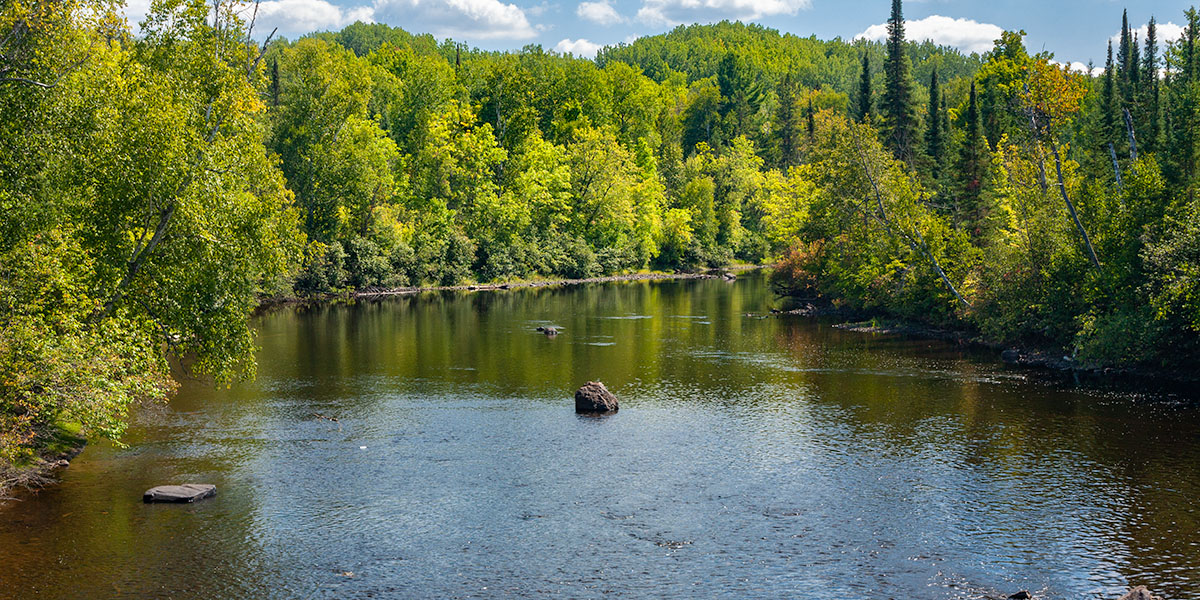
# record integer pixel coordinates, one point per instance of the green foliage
(154, 188)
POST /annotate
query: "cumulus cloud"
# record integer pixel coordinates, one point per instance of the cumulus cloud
(470, 19)
(965, 34)
(1165, 31)
(675, 12)
(580, 47)
(1079, 67)
(302, 16)
(601, 13)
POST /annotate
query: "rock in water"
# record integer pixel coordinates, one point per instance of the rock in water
(1140, 593)
(1021, 595)
(188, 492)
(593, 397)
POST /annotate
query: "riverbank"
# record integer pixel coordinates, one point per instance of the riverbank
(728, 273)
(1044, 358)
(37, 471)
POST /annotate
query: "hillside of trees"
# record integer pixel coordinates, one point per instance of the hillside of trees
(156, 187)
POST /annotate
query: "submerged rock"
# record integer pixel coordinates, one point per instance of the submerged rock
(1140, 593)
(550, 331)
(593, 397)
(188, 492)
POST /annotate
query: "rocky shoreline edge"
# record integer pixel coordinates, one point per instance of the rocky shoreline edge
(1054, 360)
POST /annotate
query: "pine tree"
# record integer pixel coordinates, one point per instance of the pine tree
(972, 162)
(900, 118)
(1125, 62)
(812, 120)
(1135, 68)
(1151, 94)
(786, 122)
(945, 124)
(275, 82)
(1108, 100)
(934, 142)
(864, 90)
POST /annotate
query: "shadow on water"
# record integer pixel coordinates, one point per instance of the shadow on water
(426, 446)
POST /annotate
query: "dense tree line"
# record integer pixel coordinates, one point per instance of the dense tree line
(155, 187)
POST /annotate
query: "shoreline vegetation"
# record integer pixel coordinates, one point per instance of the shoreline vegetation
(728, 273)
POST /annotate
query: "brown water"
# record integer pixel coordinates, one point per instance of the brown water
(752, 458)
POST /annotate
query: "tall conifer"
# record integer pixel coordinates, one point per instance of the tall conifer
(864, 90)
(972, 162)
(1108, 99)
(1151, 91)
(900, 118)
(934, 143)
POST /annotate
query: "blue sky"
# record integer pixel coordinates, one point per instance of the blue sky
(1075, 30)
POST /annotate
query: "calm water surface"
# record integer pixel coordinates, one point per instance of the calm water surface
(752, 458)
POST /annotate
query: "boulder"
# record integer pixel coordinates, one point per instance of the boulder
(550, 331)
(1140, 593)
(188, 492)
(727, 276)
(1011, 356)
(593, 397)
(1021, 595)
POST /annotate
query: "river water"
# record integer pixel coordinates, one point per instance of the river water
(752, 458)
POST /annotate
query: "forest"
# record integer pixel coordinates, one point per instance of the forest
(156, 187)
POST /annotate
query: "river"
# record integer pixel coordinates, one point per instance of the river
(753, 457)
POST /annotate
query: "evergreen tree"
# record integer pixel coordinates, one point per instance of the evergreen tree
(864, 90)
(934, 142)
(1108, 101)
(972, 163)
(787, 122)
(900, 118)
(275, 82)
(812, 120)
(1151, 95)
(1125, 61)
(1135, 67)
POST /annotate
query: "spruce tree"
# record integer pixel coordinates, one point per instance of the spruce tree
(864, 90)
(1151, 96)
(900, 118)
(972, 162)
(1108, 100)
(1125, 60)
(934, 142)
(1135, 68)
(275, 81)
(812, 120)
(786, 122)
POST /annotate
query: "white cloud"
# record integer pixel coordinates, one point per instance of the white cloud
(601, 13)
(469, 19)
(1079, 67)
(580, 47)
(965, 34)
(1165, 32)
(674, 12)
(302, 16)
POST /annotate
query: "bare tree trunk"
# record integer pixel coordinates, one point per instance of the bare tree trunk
(921, 247)
(1112, 153)
(1062, 188)
(1133, 155)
